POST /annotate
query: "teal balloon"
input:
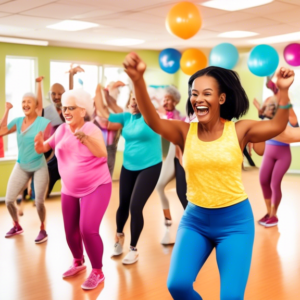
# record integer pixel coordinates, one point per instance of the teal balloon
(80, 81)
(263, 60)
(224, 55)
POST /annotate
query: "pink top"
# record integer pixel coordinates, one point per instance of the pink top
(81, 172)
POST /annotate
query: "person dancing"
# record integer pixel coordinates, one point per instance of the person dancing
(29, 162)
(139, 175)
(218, 214)
(86, 182)
(171, 167)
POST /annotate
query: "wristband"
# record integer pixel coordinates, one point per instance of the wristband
(285, 106)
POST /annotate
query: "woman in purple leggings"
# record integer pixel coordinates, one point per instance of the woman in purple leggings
(276, 162)
(86, 182)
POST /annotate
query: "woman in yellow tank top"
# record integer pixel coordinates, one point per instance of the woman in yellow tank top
(218, 214)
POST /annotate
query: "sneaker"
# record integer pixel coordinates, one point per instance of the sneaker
(273, 221)
(131, 257)
(263, 220)
(42, 237)
(14, 231)
(166, 240)
(93, 280)
(168, 222)
(77, 267)
(118, 247)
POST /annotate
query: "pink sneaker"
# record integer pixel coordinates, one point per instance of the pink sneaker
(93, 280)
(263, 220)
(273, 221)
(77, 267)
(14, 231)
(42, 237)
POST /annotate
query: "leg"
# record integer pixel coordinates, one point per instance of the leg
(166, 175)
(180, 183)
(41, 180)
(250, 160)
(143, 188)
(189, 255)
(127, 181)
(53, 174)
(281, 166)
(92, 209)
(265, 175)
(71, 214)
(17, 180)
(111, 158)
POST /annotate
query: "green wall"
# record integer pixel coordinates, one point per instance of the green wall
(252, 84)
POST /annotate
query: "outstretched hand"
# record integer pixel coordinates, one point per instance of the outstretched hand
(285, 78)
(75, 70)
(8, 105)
(134, 66)
(39, 79)
(39, 142)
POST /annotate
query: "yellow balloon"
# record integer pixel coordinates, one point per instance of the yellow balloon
(192, 60)
(184, 20)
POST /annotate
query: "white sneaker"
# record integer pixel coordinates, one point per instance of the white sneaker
(166, 240)
(131, 257)
(118, 247)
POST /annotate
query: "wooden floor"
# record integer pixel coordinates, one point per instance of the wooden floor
(33, 272)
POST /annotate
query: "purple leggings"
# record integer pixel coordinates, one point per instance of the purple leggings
(276, 162)
(82, 220)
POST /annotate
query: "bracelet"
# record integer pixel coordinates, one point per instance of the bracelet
(285, 106)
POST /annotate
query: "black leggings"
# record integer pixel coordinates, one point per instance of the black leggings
(53, 173)
(135, 189)
(180, 183)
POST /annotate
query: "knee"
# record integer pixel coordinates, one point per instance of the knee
(233, 297)
(178, 288)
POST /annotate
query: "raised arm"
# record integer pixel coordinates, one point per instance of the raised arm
(3, 123)
(172, 130)
(256, 131)
(112, 102)
(289, 135)
(293, 117)
(39, 94)
(72, 72)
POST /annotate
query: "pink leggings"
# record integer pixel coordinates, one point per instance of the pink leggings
(82, 218)
(276, 162)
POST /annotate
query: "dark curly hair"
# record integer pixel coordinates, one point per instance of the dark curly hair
(237, 102)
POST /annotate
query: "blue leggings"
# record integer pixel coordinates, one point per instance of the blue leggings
(231, 231)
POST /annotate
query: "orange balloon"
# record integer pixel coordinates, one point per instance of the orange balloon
(184, 20)
(192, 60)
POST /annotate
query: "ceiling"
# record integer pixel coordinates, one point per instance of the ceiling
(140, 19)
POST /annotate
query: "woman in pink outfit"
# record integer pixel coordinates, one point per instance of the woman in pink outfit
(86, 182)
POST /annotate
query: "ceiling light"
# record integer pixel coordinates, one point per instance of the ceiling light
(290, 37)
(232, 5)
(237, 34)
(72, 25)
(124, 42)
(23, 41)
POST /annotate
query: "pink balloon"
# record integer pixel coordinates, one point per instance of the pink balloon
(291, 54)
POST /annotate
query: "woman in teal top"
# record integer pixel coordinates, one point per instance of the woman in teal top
(29, 162)
(140, 172)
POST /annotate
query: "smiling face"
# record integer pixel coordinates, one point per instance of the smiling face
(56, 92)
(206, 98)
(28, 105)
(169, 103)
(133, 107)
(73, 114)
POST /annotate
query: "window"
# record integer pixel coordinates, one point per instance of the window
(87, 79)
(19, 79)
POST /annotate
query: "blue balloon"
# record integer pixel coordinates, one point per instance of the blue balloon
(224, 55)
(169, 60)
(80, 81)
(263, 60)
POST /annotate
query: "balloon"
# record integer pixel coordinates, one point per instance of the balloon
(291, 54)
(80, 81)
(263, 60)
(169, 60)
(192, 60)
(184, 20)
(224, 55)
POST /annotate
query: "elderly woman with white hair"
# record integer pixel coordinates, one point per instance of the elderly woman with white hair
(29, 162)
(171, 167)
(86, 183)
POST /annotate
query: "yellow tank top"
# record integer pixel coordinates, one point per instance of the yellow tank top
(214, 169)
